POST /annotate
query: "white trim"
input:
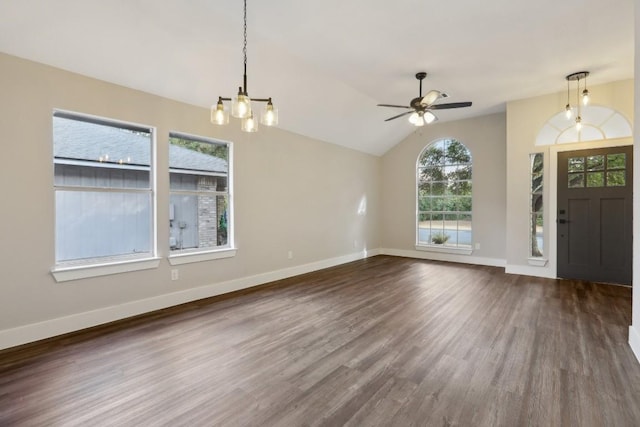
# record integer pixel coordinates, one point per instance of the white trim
(435, 256)
(444, 249)
(75, 322)
(527, 270)
(65, 274)
(537, 262)
(634, 341)
(187, 258)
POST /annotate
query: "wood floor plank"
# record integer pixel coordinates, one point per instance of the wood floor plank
(383, 341)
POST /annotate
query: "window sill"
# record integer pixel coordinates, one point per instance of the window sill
(189, 257)
(444, 249)
(537, 262)
(65, 274)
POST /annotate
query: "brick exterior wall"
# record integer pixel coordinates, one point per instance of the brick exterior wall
(207, 213)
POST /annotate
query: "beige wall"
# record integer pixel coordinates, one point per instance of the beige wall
(525, 118)
(291, 194)
(485, 138)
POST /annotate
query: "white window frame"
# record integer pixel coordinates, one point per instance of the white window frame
(186, 256)
(93, 267)
(541, 260)
(434, 247)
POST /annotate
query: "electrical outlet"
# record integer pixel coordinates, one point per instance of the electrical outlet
(175, 275)
(290, 255)
(477, 245)
(355, 243)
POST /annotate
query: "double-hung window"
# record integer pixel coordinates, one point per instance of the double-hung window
(200, 197)
(104, 191)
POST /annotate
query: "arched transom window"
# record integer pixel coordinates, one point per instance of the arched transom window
(444, 195)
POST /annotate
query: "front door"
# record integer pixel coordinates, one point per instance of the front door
(595, 214)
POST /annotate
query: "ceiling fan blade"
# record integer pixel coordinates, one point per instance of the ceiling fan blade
(399, 115)
(450, 105)
(431, 97)
(394, 106)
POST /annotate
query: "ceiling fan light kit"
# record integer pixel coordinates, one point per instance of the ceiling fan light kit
(241, 104)
(420, 108)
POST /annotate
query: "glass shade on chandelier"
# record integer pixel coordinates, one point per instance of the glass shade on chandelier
(241, 105)
(249, 124)
(219, 116)
(578, 123)
(269, 115)
(585, 96)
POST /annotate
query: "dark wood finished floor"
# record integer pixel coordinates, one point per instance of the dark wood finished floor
(383, 341)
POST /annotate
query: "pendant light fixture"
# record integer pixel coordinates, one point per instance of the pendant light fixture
(241, 104)
(576, 77)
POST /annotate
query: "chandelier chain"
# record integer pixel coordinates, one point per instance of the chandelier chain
(244, 48)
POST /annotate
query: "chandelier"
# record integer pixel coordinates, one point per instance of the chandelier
(576, 77)
(241, 104)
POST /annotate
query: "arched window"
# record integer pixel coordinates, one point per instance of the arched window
(444, 195)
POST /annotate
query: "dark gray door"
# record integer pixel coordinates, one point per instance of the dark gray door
(595, 214)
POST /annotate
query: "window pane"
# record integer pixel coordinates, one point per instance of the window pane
(439, 204)
(595, 163)
(431, 173)
(616, 161)
(595, 179)
(616, 179)
(92, 224)
(460, 172)
(465, 204)
(438, 188)
(91, 154)
(576, 164)
(424, 204)
(537, 242)
(576, 180)
(536, 209)
(198, 212)
(424, 228)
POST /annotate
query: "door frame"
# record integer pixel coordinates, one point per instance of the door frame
(552, 184)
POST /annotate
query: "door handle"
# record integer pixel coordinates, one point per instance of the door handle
(562, 221)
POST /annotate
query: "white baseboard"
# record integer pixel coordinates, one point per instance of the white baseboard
(75, 322)
(634, 341)
(439, 256)
(529, 270)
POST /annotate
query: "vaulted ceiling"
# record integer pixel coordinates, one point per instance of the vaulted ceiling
(328, 63)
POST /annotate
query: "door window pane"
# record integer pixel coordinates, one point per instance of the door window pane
(576, 180)
(595, 163)
(576, 164)
(616, 161)
(595, 179)
(616, 178)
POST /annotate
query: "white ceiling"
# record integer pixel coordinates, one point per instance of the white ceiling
(328, 63)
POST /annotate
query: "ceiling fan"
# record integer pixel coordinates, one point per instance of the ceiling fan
(420, 107)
